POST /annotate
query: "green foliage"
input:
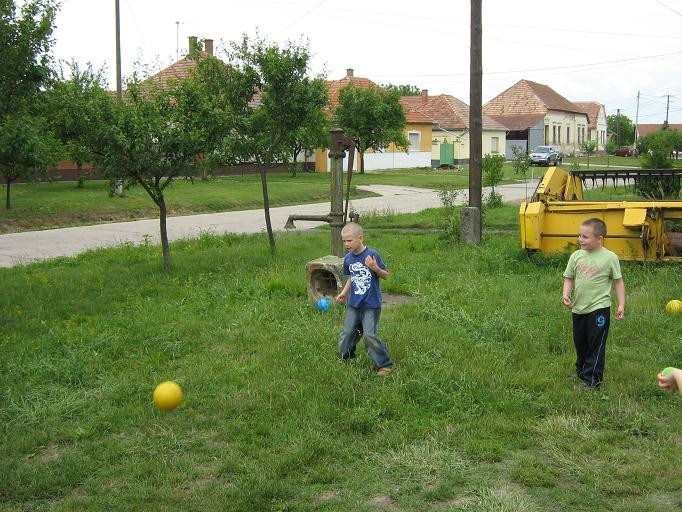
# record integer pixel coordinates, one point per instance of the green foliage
(520, 161)
(449, 223)
(27, 147)
(73, 105)
(611, 146)
(403, 90)
(656, 148)
(493, 173)
(627, 129)
(588, 146)
(373, 118)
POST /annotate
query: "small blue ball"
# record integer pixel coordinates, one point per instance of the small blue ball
(323, 304)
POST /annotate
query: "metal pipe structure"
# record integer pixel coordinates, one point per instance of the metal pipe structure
(337, 150)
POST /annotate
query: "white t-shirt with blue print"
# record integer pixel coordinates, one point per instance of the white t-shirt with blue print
(365, 291)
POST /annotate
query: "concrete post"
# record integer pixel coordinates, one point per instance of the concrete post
(470, 225)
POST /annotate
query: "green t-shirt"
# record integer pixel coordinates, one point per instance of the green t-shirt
(593, 272)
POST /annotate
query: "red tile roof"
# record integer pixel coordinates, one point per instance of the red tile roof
(591, 108)
(526, 97)
(646, 129)
(448, 112)
(519, 122)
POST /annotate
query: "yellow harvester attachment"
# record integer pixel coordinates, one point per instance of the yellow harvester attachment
(636, 230)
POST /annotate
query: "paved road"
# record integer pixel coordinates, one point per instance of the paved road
(19, 248)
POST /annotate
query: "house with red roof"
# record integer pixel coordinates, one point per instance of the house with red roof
(536, 115)
(450, 118)
(417, 131)
(597, 125)
(646, 128)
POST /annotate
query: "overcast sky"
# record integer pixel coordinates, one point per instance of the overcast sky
(604, 51)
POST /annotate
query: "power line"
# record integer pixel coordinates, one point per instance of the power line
(668, 7)
(301, 17)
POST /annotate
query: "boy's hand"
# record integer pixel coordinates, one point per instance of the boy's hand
(371, 262)
(567, 301)
(620, 314)
(340, 298)
(668, 381)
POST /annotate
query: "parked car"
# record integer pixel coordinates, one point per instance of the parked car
(545, 155)
(626, 151)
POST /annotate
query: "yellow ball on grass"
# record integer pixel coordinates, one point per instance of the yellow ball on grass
(167, 395)
(674, 307)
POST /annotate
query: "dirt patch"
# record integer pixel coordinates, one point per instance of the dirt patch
(384, 503)
(460, 501)
(327, 496)
(51, 453)
(396, 299)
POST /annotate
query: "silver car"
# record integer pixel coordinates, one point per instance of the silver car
(545, 155)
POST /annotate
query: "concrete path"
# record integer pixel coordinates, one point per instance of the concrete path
(19, 248)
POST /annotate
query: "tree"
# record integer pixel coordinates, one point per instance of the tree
(588, 147)
(73, 105)
(26, 145)
(493, 173)
(313, 133)
(403, 90)
(289, 99)
(372, 118)
(656, 149)
(144, 140)
(626, 133)
(521, 160)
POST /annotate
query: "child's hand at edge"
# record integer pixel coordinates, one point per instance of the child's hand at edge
(567, 301)
(620, 313)
(371, 262)
(340, 298)
(669, 381)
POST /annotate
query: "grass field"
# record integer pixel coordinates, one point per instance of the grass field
(479, 415)
(61, 204)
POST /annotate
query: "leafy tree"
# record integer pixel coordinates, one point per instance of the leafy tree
(313, 133)
(521, 160)
(588, 147)
(372, 118)
(403, 90)
(288, 99)
(492, 175)
(143, 140)
(627, 129)
(656, 149)
(73, 105)
(26, 145)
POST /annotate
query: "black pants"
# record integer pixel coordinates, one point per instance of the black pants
(589, 335)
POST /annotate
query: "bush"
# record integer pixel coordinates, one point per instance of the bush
(492, 175)
(611, 147)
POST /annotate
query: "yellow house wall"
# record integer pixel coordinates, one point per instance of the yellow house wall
(425, 129)
(461, 140)
(563, 120)
(320, 160)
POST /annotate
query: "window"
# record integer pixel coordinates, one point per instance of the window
(494, 144)
(558, 129)
(414, 138)
(568, 135)
(546, 134)
(553, 134)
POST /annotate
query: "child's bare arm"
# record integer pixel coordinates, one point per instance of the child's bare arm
(566, 295)
(619, 285)
(371, 262)
(341, 297)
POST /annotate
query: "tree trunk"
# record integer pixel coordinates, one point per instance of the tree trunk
(266, 207)
(8, 205)
(81, 178)
(294, 163)
(164, 232)
(361, 163)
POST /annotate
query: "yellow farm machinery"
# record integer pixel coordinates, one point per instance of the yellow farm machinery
(636, 229)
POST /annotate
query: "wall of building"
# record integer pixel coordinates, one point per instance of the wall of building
(461, 141)
(564, 130)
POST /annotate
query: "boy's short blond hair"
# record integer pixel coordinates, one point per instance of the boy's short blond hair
(598, 226)
(352, 228)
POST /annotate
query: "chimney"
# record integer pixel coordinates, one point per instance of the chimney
(425, 95)
(208, 46)
(349, 72)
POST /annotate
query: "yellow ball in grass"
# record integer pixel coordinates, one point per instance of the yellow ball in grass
(167, 395)
(674, 307)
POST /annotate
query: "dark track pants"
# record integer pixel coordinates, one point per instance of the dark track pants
(589, 335)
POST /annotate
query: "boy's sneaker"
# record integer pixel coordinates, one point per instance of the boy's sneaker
(382, 372)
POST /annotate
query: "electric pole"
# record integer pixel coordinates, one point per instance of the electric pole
(667, 107)
(177, 41)
(637, 117)
(118, 52)
(471, 221)
(618, 127)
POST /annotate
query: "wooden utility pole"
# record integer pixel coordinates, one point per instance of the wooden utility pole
(471, 221)
(618, 127)
(667, 107)
(118, 52)
(637, 116)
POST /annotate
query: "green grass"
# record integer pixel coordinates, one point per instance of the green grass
(61, 204)
(479, 414)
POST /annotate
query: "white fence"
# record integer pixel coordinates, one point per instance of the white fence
(392, 160)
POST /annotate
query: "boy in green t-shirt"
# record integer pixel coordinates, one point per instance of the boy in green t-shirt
(593, 269)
